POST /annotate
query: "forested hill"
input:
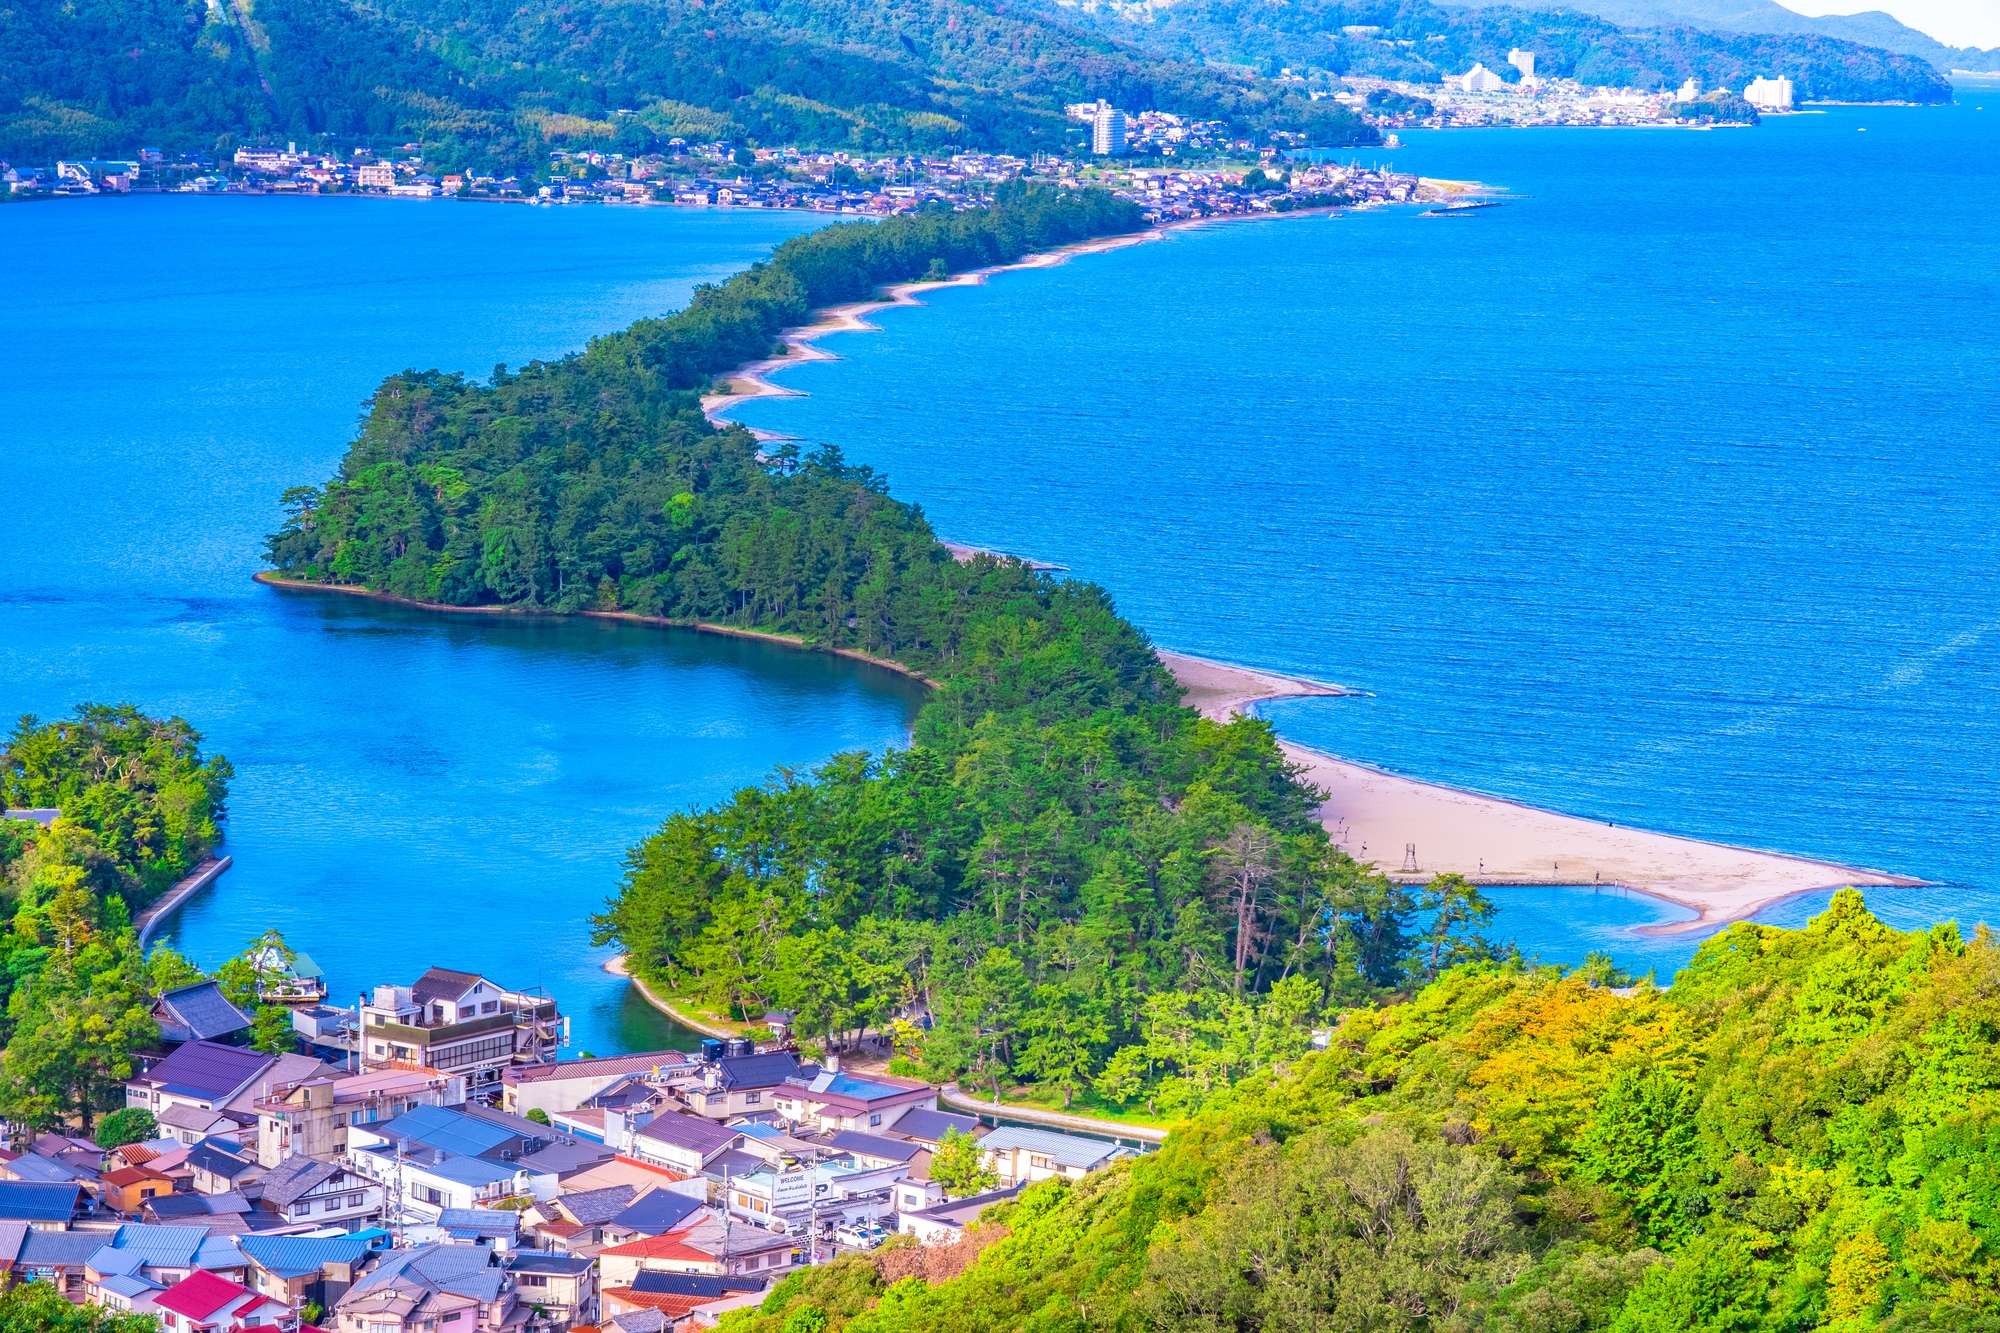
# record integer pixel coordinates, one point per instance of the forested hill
(1801, 1134)
(484, 84)
(1423, 42)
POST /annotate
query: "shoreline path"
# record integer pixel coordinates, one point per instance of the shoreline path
(1493, 841)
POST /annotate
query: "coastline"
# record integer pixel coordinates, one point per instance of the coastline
(1380, 816)
(616, 967)
(204, 874)
(271, 580)
(751, 379)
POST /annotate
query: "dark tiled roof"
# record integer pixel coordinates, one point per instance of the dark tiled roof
(591, 1207)
(441, 983)
(208, 1071)
(568, 1159)
(690, 1132)
(656, 1212)
(199, 1013)
(35, 1201)
(530, 1262)
(693, 1284)
(930, 1126)
(291, 1179)
(208, 1157)
(759, 1071)
(874, 1145)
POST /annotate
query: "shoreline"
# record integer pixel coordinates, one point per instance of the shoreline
(1378, 816)
(271, 580)
(751, 380)
(204, 874)
(616, 967)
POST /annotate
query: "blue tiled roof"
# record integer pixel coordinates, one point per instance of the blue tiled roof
(446, 1129)
(32, 1201)
(472, 1171)
(298, 1256)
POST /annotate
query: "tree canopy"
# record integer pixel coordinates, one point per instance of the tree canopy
(1802, 1132)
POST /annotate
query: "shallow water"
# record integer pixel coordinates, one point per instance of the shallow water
(1665, 494)
(412, 789)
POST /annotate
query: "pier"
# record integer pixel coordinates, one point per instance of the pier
(170, 902)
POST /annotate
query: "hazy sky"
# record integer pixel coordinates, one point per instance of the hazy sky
(1953, 22)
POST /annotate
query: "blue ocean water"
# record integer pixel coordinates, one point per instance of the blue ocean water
(411, 789)
(1665, 494)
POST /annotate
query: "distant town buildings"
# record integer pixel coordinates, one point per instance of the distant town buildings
(1523, 61)
(1107, 131)
(1769, 94)
(1480, 79)
(1690, 91)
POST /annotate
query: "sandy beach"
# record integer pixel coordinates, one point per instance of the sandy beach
(1413, 830)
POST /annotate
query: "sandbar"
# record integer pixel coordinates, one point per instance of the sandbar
(1413, 830)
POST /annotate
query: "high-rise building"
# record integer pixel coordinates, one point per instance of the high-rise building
(1480, 79)
(1690, 92)
(1523, 61)
(1770, 94)
(1107, 131)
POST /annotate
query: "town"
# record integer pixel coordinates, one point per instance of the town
(425, 1157)
(724, 176)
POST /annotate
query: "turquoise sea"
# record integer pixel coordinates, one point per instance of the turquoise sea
(1665, 494)
(412, 789)
(1668, 493)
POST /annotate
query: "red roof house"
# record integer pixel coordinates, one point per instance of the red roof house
(201, 1302)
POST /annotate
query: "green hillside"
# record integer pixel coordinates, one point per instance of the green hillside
(1803, 1133)
(1422, 42)
(496, 86)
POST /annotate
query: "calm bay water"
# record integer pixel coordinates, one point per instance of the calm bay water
(1665, 494)
(411, 788)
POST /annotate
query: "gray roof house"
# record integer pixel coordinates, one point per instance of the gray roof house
(682, 1143)
(198, 1012)
(1023, 1156)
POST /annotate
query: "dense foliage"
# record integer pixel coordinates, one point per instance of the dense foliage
(1076, 881)
(496, 86)
(1424, 42)
(1804, 1132)
(143, 804)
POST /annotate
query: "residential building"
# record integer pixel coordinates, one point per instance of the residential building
(34, 1168)
(929, 1127)
(613, 1214)
(203, 1302)
(1480, 79)
(311, 1117)
(453, 1288)
(497, 1229)
(945, 1223)
(709, 1246)
(1690, 91)
(302, 1189)
(298, 1270)
(1523, 61)
(218, 1166)
(188, 1124)
(682, 1143)
(743, 1084)
(297, 980)
(563, 1285)
(45, 1207)
(1769, 94)
(1107, 131)
(831, 1100)
(199, 1012)
(375, 175)
(551, 1088)
(127, 1190)
(208, 1076)
(681, 1300)
(874, 1151)
(59, 1258)
(460, 1023)
(915, 1196)
(137, 1262)
(435, 1158)
(1024, 1156)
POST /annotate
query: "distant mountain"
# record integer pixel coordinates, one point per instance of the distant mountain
(1873, 28)
(1423, 42)
(496, 84)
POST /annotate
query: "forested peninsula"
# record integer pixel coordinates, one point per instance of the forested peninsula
(1097, 897)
